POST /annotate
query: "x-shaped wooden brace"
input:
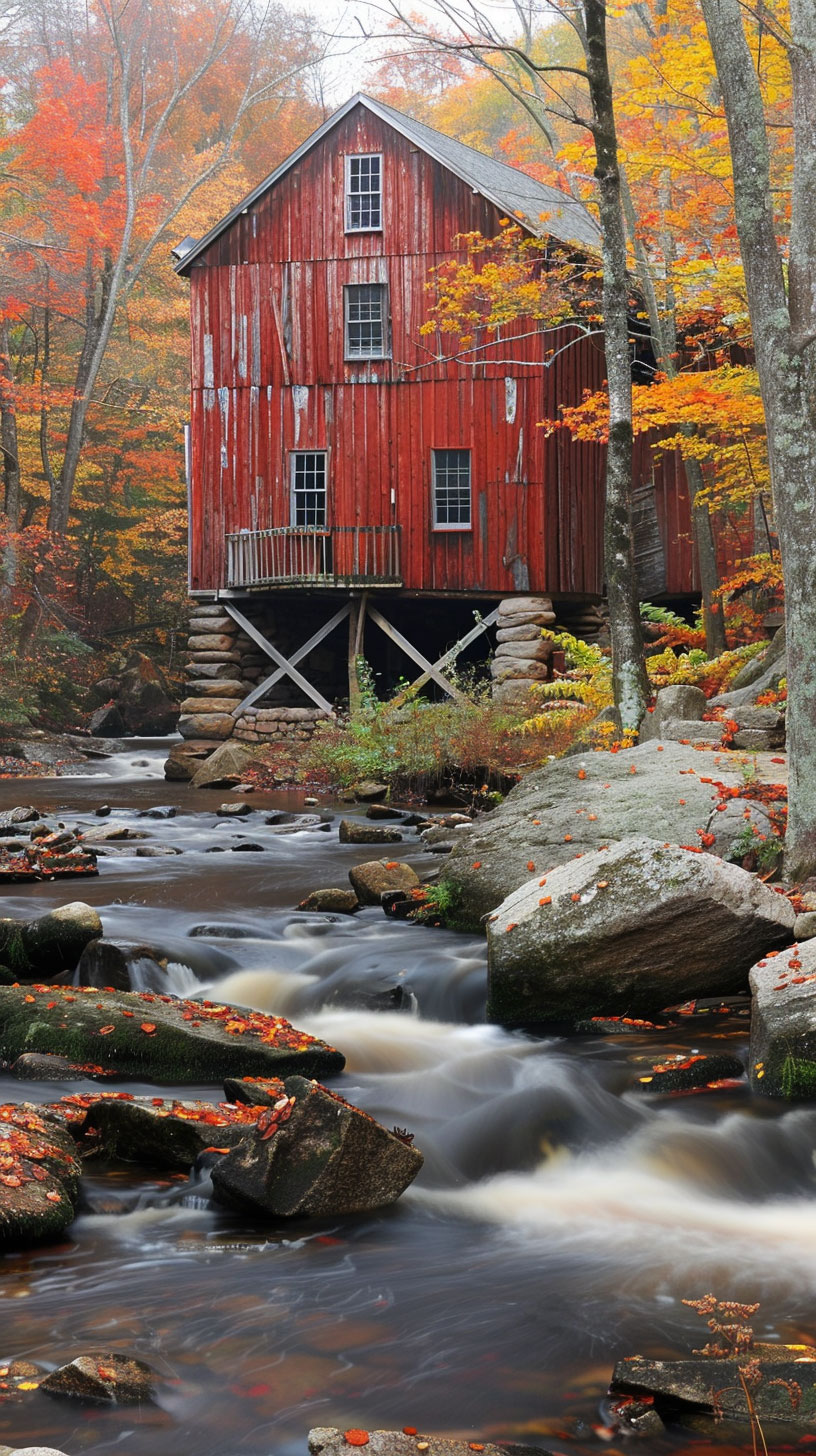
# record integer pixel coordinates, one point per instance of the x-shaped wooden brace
(432, 670)
(286, 665)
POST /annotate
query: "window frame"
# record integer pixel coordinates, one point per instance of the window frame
(348, 194)
(293, 492)
(446, 526)
(385, 321)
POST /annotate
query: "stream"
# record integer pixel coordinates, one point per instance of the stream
(560, 1219)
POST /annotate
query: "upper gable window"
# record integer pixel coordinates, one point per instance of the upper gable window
(364, 193)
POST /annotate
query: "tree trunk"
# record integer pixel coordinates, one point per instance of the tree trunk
(631, 684)
(98, 322)
(784, 331)
(8, 434)
(713, 620)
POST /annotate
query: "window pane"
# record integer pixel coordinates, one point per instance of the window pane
(309, 488)
(451, 487)
(365, 321)
(364, 196)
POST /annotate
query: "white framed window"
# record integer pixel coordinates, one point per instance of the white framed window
(364, 193)
(365, 309)
(309, 482)
(451, 490)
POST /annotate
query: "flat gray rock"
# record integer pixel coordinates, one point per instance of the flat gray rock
(575, 805)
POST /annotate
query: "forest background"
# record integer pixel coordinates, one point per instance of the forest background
(124, 128)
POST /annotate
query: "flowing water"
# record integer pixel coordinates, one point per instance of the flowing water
(559, 1221)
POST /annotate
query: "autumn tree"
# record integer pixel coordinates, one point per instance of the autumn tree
(118, 118)
(538, 85)
(781, 289)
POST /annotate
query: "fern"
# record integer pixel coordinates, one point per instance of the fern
(662, 615)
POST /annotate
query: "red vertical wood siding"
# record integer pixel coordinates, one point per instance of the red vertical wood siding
(269, 377)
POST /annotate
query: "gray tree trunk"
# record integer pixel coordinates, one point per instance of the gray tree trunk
(629, 673)
(8, 434)
(784, 330)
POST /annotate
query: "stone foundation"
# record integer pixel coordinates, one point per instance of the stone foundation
(523, 657)
(262, 725)
(224, 665)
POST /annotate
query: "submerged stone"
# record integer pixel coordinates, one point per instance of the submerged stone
(684, 1072)
(329, 1441)
(102, 1379)
(331, 901)
(710, 1388)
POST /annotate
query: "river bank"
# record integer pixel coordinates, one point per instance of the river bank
(560, 1218)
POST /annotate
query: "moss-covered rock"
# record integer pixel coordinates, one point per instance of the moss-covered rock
(156, 1038)
(39, 1176)
(158, 1131)
(37, 949)
(314, 1154)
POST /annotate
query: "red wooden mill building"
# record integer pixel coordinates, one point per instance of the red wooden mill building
(339, 470)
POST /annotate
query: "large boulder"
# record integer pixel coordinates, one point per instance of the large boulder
(39, 1176)
(156, 1038)
(573, 806)
(312, 1154)
(38, 949)
(626, 931)
(143, 699)
(783, 1023)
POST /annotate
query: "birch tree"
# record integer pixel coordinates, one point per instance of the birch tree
(782, 303)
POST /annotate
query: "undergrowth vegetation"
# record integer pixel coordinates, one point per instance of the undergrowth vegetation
(475, 745)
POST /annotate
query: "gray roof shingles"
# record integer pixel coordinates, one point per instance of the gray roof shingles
(542, 210)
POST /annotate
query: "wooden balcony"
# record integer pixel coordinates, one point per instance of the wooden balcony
(331, 556)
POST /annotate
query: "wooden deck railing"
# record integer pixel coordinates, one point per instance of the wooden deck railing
(315, 556)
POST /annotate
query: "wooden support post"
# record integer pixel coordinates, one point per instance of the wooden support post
(286, 666)
(357, 615)
(448, 657)
(429, 668)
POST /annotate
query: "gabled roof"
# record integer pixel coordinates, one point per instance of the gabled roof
(542, 210)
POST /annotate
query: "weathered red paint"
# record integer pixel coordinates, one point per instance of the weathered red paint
(269, 376)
